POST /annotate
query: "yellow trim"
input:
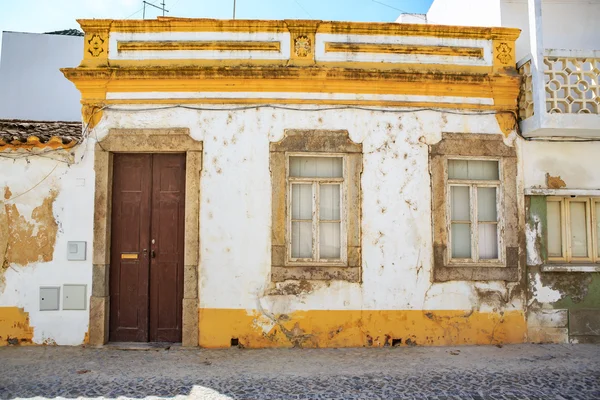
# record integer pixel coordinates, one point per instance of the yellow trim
(95, 83)
(399, 67)
(334, 27)
(356, 328)
(14, 327)
(389, 48)
(168, 45)
(32, 142)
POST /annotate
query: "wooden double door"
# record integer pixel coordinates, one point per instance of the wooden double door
(147, 245)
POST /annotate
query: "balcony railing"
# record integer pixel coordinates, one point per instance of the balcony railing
(572, 83)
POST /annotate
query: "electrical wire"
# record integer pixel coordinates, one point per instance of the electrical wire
(303, 9)
(34, 186)
(397, 9)
(129, 16)
(87, 130)
(309, 109)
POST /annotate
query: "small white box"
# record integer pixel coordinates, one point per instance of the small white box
(49, 298)
(76, 251)
(74, 297)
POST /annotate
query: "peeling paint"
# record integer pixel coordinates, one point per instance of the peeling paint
(533, 234)
(554, 182)
(31, 240)
(542, 293)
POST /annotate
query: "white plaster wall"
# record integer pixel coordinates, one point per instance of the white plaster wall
(31, 84)
(465, 12)
(575, 163)
(73, 211)
(396, 210)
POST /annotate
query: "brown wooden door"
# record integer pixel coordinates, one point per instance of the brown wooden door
(146, 271)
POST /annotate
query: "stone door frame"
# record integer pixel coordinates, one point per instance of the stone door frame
(144, 141)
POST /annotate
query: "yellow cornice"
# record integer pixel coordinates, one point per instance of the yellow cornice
(260, 73)
(94, 84)
(345, 28)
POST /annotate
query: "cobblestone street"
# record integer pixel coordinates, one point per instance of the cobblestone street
(509, 372)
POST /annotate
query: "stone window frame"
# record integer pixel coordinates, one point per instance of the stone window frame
(319, 143)
(474, 184)
(170, 140)
(475, 146)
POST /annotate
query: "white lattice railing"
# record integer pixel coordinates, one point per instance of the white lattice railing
(572, 84)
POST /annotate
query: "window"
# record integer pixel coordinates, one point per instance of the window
(315, 178)
(474, 191)
(573, 229)
(476, 225)
(316, 221)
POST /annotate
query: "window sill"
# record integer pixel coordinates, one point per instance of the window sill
(475, 273)
(315, 272)
(570, 268)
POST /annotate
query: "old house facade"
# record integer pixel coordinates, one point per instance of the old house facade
(274, 184)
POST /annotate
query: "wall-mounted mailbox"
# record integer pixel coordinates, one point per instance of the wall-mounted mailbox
(74, 297)
(76, 251)
(49, 298)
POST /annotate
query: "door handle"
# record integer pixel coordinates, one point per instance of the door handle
(153, 254)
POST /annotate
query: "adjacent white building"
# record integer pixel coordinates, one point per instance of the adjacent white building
(32, 86)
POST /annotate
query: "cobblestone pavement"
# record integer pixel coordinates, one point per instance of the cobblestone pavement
(465, 372)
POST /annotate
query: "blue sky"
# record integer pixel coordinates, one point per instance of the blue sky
(50, 15)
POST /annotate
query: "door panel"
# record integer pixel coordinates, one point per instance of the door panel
(146, 272)
(130, 236)
(168, 217)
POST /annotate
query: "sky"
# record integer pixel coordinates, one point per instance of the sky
(52, 15)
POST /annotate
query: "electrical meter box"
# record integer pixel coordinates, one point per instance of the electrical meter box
(76, 251)
(74, 297)
(49, 298)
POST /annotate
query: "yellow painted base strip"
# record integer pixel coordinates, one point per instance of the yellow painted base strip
(14, 327)
(334, 328)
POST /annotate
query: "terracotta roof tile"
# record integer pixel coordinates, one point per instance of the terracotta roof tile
(19, 134)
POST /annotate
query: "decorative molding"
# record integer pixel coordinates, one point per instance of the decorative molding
(95, 45)
(504, 53)
(389, 48)
(302, 46)
(194, 45)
